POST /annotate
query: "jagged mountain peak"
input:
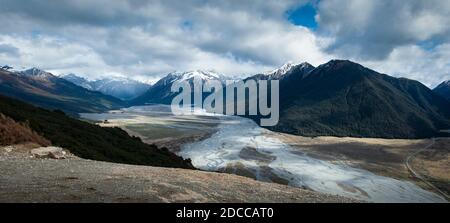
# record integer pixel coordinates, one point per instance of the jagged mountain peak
(120, 87)
(73, 77)
(36, 72)
(201, 74)
(447, 83)
(190, 76)
(80, 81)
(287, 69)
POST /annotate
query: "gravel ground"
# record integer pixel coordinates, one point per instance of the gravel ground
(27, 179)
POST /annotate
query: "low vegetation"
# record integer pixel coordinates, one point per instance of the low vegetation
(12, 132)
(88, 140)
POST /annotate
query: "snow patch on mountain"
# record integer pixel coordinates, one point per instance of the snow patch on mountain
(190, 76)
(119, 87)
(287, 69)
(35, 73)
(80, 81)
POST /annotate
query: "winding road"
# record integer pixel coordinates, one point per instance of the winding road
(415, 174)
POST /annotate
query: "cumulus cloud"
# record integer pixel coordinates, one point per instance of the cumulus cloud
(155, 37)
(373, 29)
(51, 54)
(413, 62)
(9, 50)
(146, 39)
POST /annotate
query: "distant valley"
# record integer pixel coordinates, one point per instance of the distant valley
(46, 90)
(339, 98)
(122, 88)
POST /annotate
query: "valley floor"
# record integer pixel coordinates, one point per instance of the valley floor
(385, 157)
(372, 170)
(27, 179)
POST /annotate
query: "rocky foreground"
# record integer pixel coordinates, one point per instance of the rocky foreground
(32, 177)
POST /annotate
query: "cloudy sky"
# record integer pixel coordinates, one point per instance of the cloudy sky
(147, 39)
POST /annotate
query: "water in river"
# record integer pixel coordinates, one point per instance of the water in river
(240, 142)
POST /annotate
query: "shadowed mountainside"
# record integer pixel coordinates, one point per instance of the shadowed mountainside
(88, 140)
(342, 98)
(443, 89)
(46, 90)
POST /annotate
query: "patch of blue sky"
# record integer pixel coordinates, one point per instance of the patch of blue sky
(428, 45)
(303, 15)
(187, 25)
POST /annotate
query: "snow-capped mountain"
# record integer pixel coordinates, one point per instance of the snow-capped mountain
(123, 88)
(284, 71)
(203, 75)
(119, 87)
(160, 91)
(287, 69)
(46, 90)
(191, 75)
(82, 82)
(35, 73)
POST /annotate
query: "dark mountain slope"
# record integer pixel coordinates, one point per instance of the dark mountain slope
(160, 92)
(342, 98)
(286, 71)
(88, 140)
(46, 90)
(443, 89)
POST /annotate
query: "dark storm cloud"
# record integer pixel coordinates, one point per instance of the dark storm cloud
(64, 12)
(153, 36)
(148, 38)
(373, 29)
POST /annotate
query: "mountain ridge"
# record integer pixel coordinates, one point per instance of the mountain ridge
(161, 93)
(443, 90)
(119, 87)
(88, 140)
(49, 91)
(343, 98)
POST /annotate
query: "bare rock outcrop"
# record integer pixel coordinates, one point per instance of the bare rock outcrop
(49, 152)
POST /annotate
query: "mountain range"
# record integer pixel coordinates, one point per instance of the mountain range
(49, 91)
(160, 92)
(342, 98)
(119, 87)
(339, 98)
(283, 72)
